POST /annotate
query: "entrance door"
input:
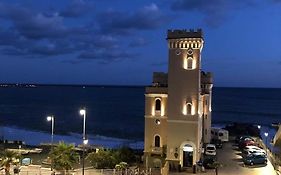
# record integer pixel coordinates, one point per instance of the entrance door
(187, 156)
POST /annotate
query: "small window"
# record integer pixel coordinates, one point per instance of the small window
(188, 108)
(157, 141)
(157, 121)
(189, 63)
(157, 104)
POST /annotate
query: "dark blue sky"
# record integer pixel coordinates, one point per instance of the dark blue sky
(123, 41)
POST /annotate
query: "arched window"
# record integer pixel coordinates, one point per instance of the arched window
(157, 141)
(188, 108)
(158, 105)
(189, 63)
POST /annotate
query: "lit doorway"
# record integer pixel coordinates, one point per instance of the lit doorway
(187, 155)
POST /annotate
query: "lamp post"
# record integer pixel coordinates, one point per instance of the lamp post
(51, 119)
(266, 134)
(85, 141)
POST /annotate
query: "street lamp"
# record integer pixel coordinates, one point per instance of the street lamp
(51, 119)
(85, 141)
(259, 126)
(266, 134)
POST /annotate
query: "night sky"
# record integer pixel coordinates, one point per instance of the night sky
(121, 42)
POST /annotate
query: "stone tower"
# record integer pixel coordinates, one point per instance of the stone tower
(185, 94)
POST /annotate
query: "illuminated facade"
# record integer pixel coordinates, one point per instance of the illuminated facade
(178, 105)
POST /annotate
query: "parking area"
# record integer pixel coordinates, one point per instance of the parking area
(232, 163)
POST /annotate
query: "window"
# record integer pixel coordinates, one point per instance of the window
(188, 108)
(158, 105)
(157, 141)
(189, 63)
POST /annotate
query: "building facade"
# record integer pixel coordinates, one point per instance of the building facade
(178, 105)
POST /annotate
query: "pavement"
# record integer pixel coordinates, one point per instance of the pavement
(232, 164)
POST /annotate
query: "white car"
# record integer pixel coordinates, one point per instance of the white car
(210, 150)
(253, 150)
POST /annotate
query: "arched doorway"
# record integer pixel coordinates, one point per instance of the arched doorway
(187, 154)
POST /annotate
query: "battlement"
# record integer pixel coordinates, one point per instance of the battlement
(160, 79)
(206, 77)
(177, 34)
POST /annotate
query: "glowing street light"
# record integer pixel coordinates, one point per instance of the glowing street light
(85, 141)
(259, 126)
(52, 119)
(266, 134)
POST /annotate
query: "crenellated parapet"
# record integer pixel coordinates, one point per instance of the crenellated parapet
(206, 82)
(177, 34)
(185, 39)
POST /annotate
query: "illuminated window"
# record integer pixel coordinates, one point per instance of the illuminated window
(157, 141)
(188, 108)
(188, 63)
(158, 105)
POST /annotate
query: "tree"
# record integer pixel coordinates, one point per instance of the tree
(102, 159)
(7, 158)
(64, 157)
(125, 154)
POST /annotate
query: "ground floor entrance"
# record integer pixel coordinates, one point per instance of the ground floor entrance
(187, 156)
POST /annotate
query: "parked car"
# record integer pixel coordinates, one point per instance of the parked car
(210, 150)
(247, 142)
(239, 139)
(255, 158)
(209, 161)
(253, 148)
(217, 143)
(249, 152)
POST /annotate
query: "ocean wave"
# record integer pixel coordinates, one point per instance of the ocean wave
(249, 113)
(37, 138)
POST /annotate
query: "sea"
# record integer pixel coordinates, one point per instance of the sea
(115, 114)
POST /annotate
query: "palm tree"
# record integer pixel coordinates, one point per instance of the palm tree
(64, 157)
(7, 158)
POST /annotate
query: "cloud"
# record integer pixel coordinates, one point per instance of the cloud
(77, 8)
(138, 42)
(38, 49)
(107, 56)
(163, 63)
(215, 11)
(30, 34)
(147, 18)
(39, 25)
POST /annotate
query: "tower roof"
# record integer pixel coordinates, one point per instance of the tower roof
(177, 34)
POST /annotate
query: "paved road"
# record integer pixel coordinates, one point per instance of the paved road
(232, 163)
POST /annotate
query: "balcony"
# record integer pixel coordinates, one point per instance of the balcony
(157, 150)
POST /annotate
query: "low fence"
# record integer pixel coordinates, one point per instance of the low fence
(89, 171)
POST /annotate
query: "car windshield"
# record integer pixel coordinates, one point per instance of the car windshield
(210, 148)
